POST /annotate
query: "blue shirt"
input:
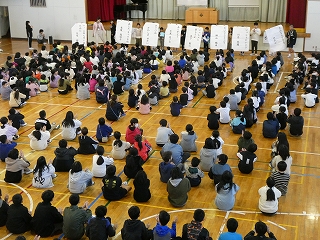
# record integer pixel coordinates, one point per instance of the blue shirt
(5, 148)
(176, 150)
(230, 236)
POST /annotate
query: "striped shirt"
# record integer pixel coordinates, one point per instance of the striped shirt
(281, 180)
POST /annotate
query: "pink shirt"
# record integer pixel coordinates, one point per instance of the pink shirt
(33, 89)
(144, 108)
(169, 69)
(92, 82)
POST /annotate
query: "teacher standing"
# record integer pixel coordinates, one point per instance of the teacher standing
(291, 40)
(29, 33)
(98, 31)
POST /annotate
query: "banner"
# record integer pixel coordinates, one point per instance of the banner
(172, 35)
(276, 38)
(241, 38)
(123, 31)
(219, 37)
(79, 33)
(193, 37)
(150, 34)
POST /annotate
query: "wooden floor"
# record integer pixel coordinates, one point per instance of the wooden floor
(298, 215)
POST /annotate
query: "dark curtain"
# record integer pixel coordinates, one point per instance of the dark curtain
(102, 9)
(296, 13)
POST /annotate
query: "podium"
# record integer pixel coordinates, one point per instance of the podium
(202, 15)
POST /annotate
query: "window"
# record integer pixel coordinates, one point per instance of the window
(38, 3)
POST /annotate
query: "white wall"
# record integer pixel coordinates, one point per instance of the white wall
(312, 21)
(56, 19)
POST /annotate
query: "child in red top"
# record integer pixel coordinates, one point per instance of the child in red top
(132, 130)
(143, 146)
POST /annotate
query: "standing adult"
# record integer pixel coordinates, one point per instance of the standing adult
(29, 29)
(113, 32)
(137, 33)
(291, 40)
(98, 30)
(255, 33)
(183, 36)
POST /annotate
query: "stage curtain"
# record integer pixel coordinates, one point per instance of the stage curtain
(222, 6)
(296, 13)
(273, 10)
(102, 9)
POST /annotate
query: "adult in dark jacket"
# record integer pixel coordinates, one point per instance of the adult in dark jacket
(195, 229)
(261, 229)
(64, 157)
(141, 184)
(113, 189)
(133, 163)
(3, 209)
(133, 228)
(270, 126)
(19, 217)
(47, 220)
(296, 123)
(99, 227)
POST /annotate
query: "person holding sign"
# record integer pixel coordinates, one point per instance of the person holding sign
(206, 38)
(291, 40)
(255, 33)
(98, 30)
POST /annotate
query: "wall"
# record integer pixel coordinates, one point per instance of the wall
(313, 19)
(56, 19)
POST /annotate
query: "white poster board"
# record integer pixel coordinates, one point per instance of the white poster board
(192, 2)
(123, 31)
(150, 34)
(172, 35)
(265, 38)
(241, 38)
(276, 38)
(193, 37)
(79, 33)
(219, 37)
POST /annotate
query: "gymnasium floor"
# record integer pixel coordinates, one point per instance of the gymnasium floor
(298, 210)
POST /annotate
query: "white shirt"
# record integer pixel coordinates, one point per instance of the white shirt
(70, 133)
(268, 206)
(100, 170)
(309, 99)
(255, 33)
(163, 134)
(224, 114)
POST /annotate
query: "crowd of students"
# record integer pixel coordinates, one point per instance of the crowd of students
(109, 71)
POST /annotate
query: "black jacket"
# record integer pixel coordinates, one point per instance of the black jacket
(3, 212)
(64, 159)
(296, 125)
(250, 236)
(135, 230)
(44, 218)
(18, 219)
(99, 229)
(133, 165)
(86, 146)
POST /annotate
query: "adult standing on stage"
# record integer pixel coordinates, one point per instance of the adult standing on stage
(255, 34)
(113, 32)
(291, 40)
(98, 30)
(183, 36)
(29, 29)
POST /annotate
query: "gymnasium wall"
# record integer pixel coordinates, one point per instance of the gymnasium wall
(56, 19)
(312, 21)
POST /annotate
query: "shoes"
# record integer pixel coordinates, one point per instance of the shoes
(23, 125)
(57, 127)
(92, 183)
(123, 114)
(54, 176)
(31, 48)
(251, 54)
(79, 132)
(15, 137)
(28, 171)
(111, 134)
(125, 183)
(49, 140)
(289, 55)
